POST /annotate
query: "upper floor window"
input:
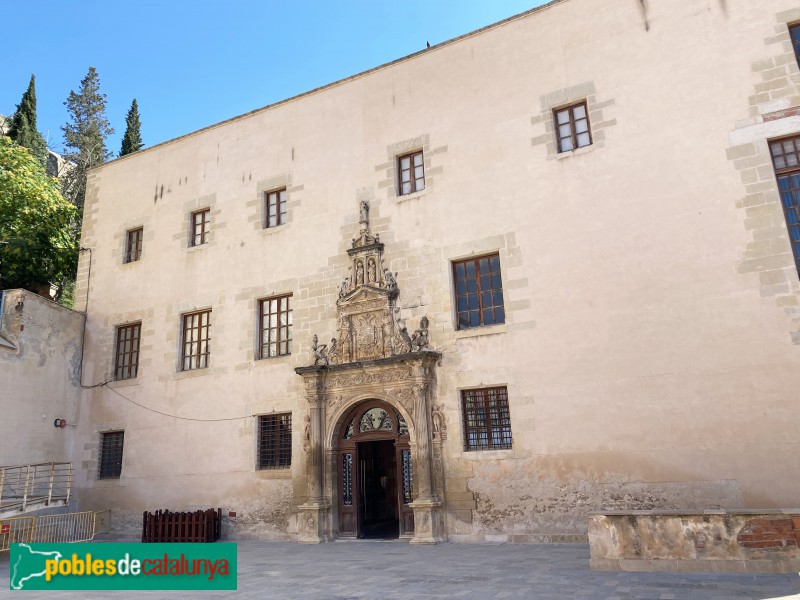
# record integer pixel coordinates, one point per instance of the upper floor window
(126, 360)
(412, 173)
(572, 124)
(275, 208)
(133, 245)
(196, 340)
(275, 441)
(786, 160)
(794, 32)
(109, 464)
(487, 423)
(200, 223)
(479, 291)
(275, 326)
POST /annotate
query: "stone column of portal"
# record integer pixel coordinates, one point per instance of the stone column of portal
(315, 526)
(428, 518)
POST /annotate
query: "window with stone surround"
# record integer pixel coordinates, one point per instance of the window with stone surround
(786, 160)
(196, 340)
(133, 244)
(275, 208)
(275, 441)
(411, 171)
(200, 221)
(109, 464)
(487, 423)
(794, 32)
(572, 127)
(479, 292)
(275, 326)
(126, 358)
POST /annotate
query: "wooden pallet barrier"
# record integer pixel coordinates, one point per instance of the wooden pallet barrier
(167, 526)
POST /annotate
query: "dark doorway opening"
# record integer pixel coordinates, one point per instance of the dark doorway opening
(378, 475)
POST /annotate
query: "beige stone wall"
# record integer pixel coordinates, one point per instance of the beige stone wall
(40, 347)
(650, 362)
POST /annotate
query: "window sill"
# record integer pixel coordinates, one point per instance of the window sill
(412, 196)
(132, 262)
(578, 152)
(275, 229)
(487, 454)
(190, 373)
(284, 473)
(483, 330)
(119, 383)
(273, 359)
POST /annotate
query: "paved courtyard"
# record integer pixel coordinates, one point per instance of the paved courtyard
(385, 570)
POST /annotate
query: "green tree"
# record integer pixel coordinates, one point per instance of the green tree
(85, 136)
(132, 140)
(23, 125)
(38, 226)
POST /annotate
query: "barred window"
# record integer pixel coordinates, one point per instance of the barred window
(275, 208)
(126, 360)
(110, 460)
(275, 326)
(479, 292)
(487, 423)
(786, 161)
(133, 245)
(572, 126)
(196, 340)
(200, 227)
(275, 441)
(412, 173)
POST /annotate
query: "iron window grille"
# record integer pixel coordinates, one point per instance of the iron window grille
(572, 126)
(110, 460)
(200, 226)
(275, 441)
(275, 326)
(786, 161)
(275, 208)
(133, 245)
(412, 173)
(126, 359)
(196, 340)
(479, 292)
(487, 423)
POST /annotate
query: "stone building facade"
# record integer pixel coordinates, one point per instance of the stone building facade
(552, 255)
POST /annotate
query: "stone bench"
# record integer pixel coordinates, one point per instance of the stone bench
(717, 540)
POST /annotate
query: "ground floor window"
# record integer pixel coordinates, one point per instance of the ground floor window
(487, 423)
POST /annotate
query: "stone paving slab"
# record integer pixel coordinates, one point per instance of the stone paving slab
(394, 569)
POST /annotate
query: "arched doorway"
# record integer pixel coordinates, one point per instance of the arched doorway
(374, 473)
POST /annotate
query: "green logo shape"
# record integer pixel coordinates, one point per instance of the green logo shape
(98, 566)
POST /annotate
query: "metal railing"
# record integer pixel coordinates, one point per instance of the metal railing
(28, 487)
(60, 529)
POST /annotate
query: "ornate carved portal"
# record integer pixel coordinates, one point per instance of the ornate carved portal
(371, 396)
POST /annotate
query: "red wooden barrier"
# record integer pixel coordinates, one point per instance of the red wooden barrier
(198, 526)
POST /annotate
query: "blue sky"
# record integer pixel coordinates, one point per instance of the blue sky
(192, 64)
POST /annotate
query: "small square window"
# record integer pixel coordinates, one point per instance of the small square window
(196, 340)
(412, 173)
(487, 423)
(275, 441)
(572, 127)
(200, 226)
(133, 245)
(275, 326)
(479, 292)
(126, 361)
(275, 208)
(110, 459)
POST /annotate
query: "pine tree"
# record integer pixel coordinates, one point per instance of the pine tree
(85, 136)
(132, 140)
(23, 125)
